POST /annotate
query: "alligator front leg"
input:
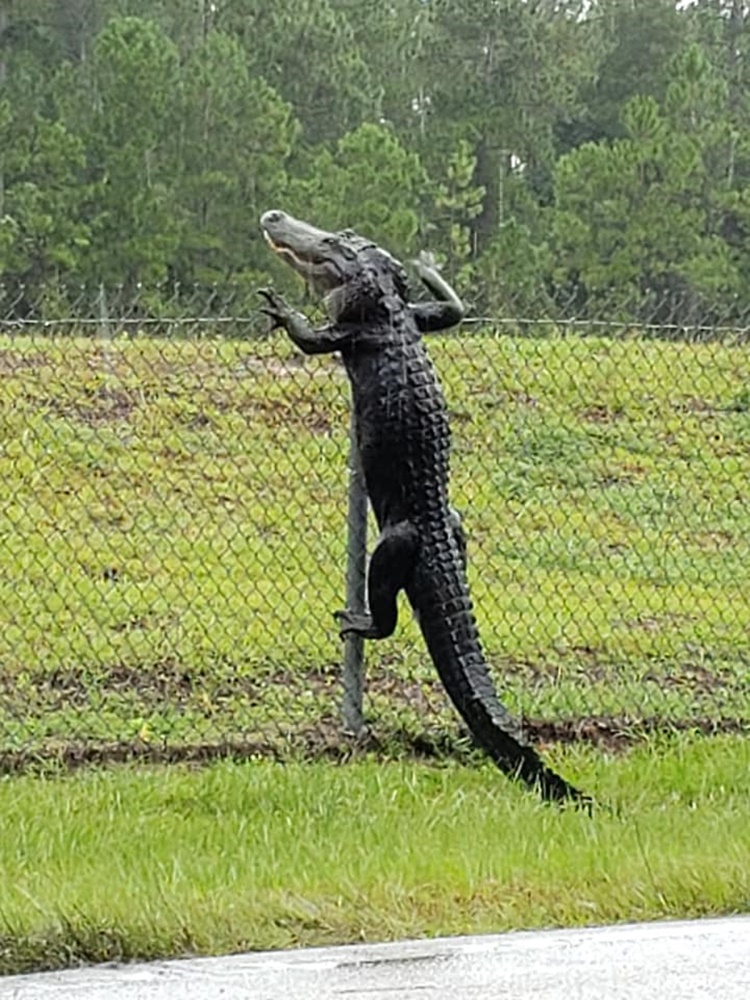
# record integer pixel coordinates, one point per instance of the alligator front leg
(390, 567)
(447, 311)
(323, 340)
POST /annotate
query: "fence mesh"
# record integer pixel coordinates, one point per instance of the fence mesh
(173, 524)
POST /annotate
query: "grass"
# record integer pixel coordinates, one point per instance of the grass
(117, 863)
(172, 523)
(173, 516)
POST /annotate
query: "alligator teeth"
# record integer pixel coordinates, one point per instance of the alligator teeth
(270, 242)
(302, 262)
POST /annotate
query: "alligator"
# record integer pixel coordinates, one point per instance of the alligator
(403, 438)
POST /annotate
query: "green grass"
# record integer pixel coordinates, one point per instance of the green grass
(118, 863)
(172, 520)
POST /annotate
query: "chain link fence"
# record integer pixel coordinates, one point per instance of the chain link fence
(175, 498)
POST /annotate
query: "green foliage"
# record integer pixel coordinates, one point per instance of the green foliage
(458, 202)
(596, 152)
(495, 76)
(306, 50)
(131, 81)
(612, 199)
(512, 270)
(370, 183)
(640, 41)
(41, 230)
(232, 150)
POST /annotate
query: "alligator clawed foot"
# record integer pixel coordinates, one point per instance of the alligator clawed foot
(425, 263)
(586, 804)
(351, 623)
(275, 308)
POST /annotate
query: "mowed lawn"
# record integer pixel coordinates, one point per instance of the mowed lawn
(113, 864)
(173, 531)
(173, 544)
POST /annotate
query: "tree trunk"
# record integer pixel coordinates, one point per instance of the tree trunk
(490, 174)
(3, 76)
(735, 29)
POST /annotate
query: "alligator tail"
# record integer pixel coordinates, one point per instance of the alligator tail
(443, 608)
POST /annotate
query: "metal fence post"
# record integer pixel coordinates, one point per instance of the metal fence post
(356, 561)
(104, 326)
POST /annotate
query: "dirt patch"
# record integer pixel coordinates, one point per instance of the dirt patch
(327, 741)
(11, 362)
(410, 716)
(170, 683)
(96, 407)
(302, 413)
(521, 398)
(600, 414)
(153, 686)
(291, 367)
(694, 404)
(713, 541)
(618, 733)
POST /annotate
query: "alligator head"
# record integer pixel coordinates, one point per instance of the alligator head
(353, 275)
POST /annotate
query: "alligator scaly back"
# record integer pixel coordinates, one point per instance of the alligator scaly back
(403, 439)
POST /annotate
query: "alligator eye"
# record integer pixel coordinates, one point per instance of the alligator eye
(347, 232)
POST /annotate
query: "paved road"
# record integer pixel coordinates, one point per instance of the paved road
(696, 960)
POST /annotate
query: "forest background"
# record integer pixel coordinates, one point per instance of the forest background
(558, 157)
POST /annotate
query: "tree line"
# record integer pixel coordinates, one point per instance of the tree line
(558, 157)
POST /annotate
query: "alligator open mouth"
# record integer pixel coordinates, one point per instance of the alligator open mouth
(283, 250)
(316, 266)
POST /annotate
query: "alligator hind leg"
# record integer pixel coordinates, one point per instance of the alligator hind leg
(390, 566)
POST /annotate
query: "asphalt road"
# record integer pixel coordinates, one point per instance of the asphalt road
(696, 960)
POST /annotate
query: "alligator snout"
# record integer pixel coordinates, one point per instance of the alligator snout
(273, 217)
